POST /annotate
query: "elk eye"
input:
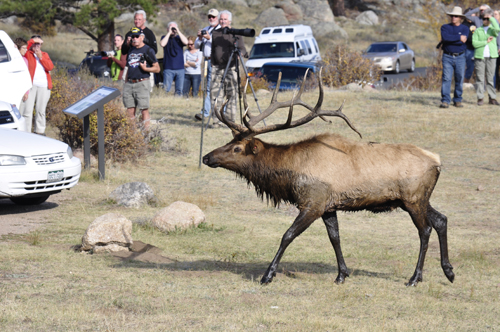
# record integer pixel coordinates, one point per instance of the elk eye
(237, 149)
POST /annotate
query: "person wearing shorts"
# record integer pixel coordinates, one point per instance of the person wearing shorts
(141, 61)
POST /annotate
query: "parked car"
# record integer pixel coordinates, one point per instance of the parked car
(96, 63)
(284, 43)
(292, 73)
(15, 82)
(391, 56)
(10, 117)
(33, 167)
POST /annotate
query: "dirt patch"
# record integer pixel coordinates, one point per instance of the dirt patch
(18, 219)
(143, 252)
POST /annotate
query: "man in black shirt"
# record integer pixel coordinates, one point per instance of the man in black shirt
(141, 62)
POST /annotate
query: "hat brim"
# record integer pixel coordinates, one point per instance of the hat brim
(453, 14)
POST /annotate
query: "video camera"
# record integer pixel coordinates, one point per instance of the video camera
(108, 54)
(239, 32)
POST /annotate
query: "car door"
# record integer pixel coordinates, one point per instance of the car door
(15, 78)
(404, 56)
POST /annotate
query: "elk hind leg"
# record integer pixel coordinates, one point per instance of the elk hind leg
(420, 220)
(332, 227)
(440, 224)
(301, 223)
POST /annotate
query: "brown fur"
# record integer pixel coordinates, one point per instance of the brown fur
(329, 173)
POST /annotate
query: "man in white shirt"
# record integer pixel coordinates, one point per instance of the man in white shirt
(206, 41)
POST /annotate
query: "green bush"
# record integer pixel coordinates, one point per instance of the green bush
(123, 141)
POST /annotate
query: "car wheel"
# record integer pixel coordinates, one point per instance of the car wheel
(412, 68)
(396, 69)
(29, 200)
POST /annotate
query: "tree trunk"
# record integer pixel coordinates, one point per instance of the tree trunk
(337, 7)
(106, 39)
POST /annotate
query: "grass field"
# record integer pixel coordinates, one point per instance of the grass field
(207, 279)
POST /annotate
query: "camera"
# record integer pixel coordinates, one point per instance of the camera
(203, 32)
(239, 32)
(108, 54)
(174, 30)
(146, 58)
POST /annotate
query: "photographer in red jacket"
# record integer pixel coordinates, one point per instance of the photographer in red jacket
(39, 66)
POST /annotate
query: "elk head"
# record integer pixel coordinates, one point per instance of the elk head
(244, 147)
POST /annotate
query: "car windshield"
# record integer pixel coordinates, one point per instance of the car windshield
(272, 50)
(379, 48)
(288, 74)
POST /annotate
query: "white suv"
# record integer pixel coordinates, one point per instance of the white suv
(15, 81)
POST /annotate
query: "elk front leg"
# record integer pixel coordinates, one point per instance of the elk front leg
(301, 223)
(440, 224)
(332, 227)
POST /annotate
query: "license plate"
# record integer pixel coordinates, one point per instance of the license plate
(55, 176)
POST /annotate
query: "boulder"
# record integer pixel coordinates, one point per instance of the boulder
(367, 18)
(254, 3)
(330, 30)
(178, 215)
(240, 3)
(109, 232)
(316, 11)
(293, 12)
(272, 17)
(353, 87)
(133, 195)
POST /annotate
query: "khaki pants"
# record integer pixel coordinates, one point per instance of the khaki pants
(39, 98)
(485, 67)
(229, 91)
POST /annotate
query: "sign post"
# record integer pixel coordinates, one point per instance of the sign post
(82, 109)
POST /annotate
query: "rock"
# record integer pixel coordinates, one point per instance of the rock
(293, 12)
(367, 18)
(133, 195)
(178, 215)
(316, 11)
(254, 3)
(480, 188)
(11, 20)
(109, 229)
(240, 3)
(352, 87)
(272, 17)
(330, 30)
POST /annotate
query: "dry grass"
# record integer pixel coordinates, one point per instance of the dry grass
(212, 280)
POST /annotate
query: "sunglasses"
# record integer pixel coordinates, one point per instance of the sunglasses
(136, 36)
(455, 16)
(486, 18)
(210, 16)
(190, 44)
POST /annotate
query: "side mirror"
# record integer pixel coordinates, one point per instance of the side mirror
(301, 52)
(402, 50)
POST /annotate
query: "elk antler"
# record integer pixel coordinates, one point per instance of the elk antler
(250, 120)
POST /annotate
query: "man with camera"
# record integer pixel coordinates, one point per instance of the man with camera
(115, 59)
(173, 58)
(141, 61)
(204, 43)
(222, 47)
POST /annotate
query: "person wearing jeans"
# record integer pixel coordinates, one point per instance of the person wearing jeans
(454, 36)
(173, 59)
(192, 65)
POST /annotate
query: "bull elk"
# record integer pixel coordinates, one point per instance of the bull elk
(329, 173)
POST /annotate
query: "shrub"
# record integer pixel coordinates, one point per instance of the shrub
(122, 139)
(342, 66)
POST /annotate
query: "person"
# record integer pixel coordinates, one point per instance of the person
(173, 59)
(192, 66)
(454, 36)
(141, 61)
(39, 67)
(485, 56)
(117, 61)
(149, 37)
(469, 51)
(222, 47)
(22, 45)
(204, 43)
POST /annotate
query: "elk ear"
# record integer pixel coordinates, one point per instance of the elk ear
(256, 146)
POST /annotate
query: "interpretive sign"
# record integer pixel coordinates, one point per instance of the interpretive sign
(82, 109)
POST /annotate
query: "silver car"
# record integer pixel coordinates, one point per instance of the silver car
(391, 56)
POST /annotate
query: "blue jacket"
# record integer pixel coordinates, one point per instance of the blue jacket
(450, 35)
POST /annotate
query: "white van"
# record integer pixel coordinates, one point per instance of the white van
(284, 43)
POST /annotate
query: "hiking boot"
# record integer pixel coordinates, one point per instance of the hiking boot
(458, 104)
(198, 117)
(493, 102)
(443, 105)
(480, 102)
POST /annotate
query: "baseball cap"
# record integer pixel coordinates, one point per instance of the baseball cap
(213, 12)
(136, 31)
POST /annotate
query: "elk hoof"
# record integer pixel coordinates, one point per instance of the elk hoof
(267, 278)
(341, 278)
(448, 272)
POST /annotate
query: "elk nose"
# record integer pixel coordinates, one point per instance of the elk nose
(206, 159)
